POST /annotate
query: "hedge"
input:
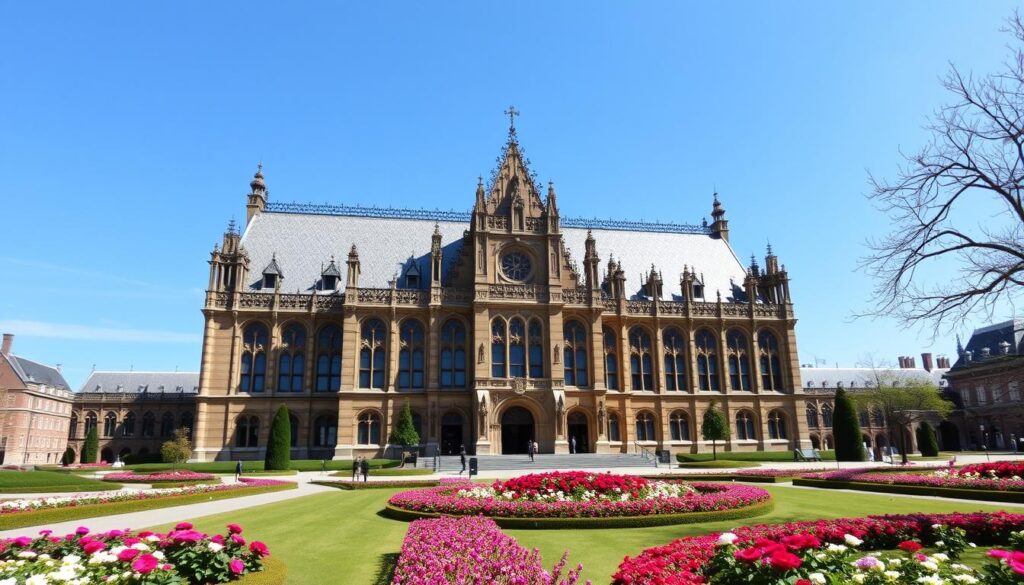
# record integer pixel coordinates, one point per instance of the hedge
(750, 456)
(296, 464)
(274, 572)
(608, 522)
(914, 490)
(54, 515)
(264, 473)
(389, 472)
(718, 464)
(372, 485)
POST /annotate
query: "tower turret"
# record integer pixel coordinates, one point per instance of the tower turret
(257, 195)
(353, 268)
(719, 225)
(590, 261)
(435, 257)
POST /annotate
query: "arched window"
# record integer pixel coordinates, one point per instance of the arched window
(516, 348)
(326, 431)
(812, 416)
(453, 354)
(645, 427)
(679, 424)
(575, 354)
(328, 359)
(73, 428)
(739, 362)
(707, 361)
(410, 354)
(877, 418)
(254, 358)
(109, 424)
(745, 426)
(498, 347)
(640, 359)
(247, 431)
(815, 442)
(291, 362)
(373, 344)
(776, 425)
(369, 429)
(293, 423)
(771, 367)
(128, 425)
(675, 359)
(862, 418)
(417, 425)
(536, 355)
(166, 425)
(148, 425)
(90, 422)
(187, 423)
(826, 415)
(611, 360)
(613, 428)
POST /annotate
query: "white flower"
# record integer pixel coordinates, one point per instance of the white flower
(892, 575)
(858, 577)
(936, 526)
(816, 578)
(941, 557)
(930, 565)
(852, 540)
(835, 548)
(11, 581)
(214, 547)
(930, 580)
(36, 580)
(26, 554)
(940, 543)
(969, 580)
(726, 538)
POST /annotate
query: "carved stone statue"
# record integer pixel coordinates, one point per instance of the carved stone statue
(557, 358)
(480, 354)
(600, 417)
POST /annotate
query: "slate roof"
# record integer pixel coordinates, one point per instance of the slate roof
(133, 382)
(33, 372)
(304, 242)
(853, 378)
(1010, 332)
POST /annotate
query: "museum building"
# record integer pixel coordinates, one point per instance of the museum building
(498, 326)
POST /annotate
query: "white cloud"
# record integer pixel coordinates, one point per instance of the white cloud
(73, 331)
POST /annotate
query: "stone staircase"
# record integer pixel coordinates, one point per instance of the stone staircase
(450, 463)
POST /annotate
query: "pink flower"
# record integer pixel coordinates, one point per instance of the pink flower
(234, 529)
(145, 563)
(93, 546)
(81, 531)
(127, 554)
(259, 549)
(237, 539)
(236, 566)
(183, 526)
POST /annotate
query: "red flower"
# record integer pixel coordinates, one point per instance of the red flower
(748, 555)
(802, 582)
(183, 526)
(234, 529)
(782, 560)
(145, 563)
(909, 546)
(93, 546)
(259, 549)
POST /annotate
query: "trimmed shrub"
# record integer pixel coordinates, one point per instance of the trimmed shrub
(927, 444)
(69, 456)
(91, 447)
(279, 446)
(404, 433)
(846, 429)
(714, 428)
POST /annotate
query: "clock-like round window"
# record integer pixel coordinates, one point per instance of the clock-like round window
(516, 266)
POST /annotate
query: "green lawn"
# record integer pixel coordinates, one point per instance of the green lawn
(18, 482)
(341, 533)
(763, 456)
(229, 466)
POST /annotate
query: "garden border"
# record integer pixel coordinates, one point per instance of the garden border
(275, 572)
(914, 490)
(369, 485)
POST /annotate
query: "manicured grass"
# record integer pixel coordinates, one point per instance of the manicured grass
(389, 472)
(247, 466)
(719, 464)
(750, 456)
(24, 482)
(307, 532)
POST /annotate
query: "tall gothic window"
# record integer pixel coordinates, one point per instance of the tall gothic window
(166, 425)
(675, 359)
(128, 425)
(611, 360)
(254, 358)
(498, 347)
(326, 431)
(536, 354)
(109, 424)
(516, 349)
(739, 361)
(640, 359)
(862, 418)
(812, 416)
(73, 429)
(745, 430)
(575, 354)
(411, 354)
(826, 415)
(373, 344)
(613, 428)
(771, 366)
(293, 423)
(645, 427)
(369, 429)
(453, 354)
(291, 362)
(148, 425)
(90, 422)
(247, 431)
(328, 359)
(679, 424)
(707, 360)
(776, 425)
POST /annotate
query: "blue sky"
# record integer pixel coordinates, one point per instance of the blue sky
(129, 132)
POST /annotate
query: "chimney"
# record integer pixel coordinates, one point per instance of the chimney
(8, 341)
(926, 362)
(911, 363)
(903, 362)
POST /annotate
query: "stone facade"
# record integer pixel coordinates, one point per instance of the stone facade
(485, 323)
(36, 407)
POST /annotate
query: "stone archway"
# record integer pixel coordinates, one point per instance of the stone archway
(578, 429)
(517, 430)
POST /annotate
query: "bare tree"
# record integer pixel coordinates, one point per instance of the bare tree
(938, 265)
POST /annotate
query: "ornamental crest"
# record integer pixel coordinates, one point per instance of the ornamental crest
(519, 386)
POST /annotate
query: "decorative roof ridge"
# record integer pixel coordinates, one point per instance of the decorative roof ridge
(466, 216)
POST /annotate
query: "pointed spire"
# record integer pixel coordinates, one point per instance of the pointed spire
(257, 184)
(770, 248)
(353, 254)
(479, 194)
(232, 227)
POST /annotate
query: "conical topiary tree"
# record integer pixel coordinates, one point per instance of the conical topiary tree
(926, 441)
(404, 433)
(69, 456)
(846, 429)
(714, 428)
(91, 447)
(279, 445)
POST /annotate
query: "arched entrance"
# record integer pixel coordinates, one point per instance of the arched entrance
(578, 430)
(516, 430)
(451, 433)
(950, 436)
(107, 455)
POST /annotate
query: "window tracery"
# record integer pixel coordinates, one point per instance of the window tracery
(675, 359)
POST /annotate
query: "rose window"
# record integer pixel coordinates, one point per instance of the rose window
(516, 266)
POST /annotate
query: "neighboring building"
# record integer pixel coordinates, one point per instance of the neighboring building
(987, 380)
(36, 407)
(134, 412)
(501, 325)
(820, 385)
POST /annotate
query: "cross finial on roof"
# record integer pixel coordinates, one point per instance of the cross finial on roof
(512, 112)
(769, 247)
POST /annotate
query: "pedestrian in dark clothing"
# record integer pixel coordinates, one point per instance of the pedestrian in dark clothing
(364, 468)
(238, 471)
(355, 468)
(462, 458)
(532, 449)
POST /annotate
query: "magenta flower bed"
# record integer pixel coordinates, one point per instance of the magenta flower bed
(445, 499)
(472, 550)
(181, 555)
(940, 479)
(686, 561)
(158, 477)
(772, 472)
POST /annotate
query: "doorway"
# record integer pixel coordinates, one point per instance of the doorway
(578, 430)
(451, 434)
(516, 430)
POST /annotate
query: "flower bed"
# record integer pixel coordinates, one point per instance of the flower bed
(787, 553)
(180, 476)
(992, 470)
(471, 550)
(945, 483)
(370, 485)
(543, 500)
(181, 555)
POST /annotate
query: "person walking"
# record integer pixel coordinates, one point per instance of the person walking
(355, 468)
(531, 449)
(462, 458)
(572, 445)
(238, 470)
(364, 467)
